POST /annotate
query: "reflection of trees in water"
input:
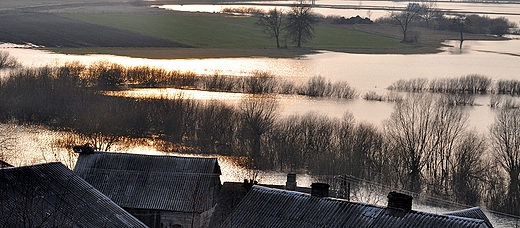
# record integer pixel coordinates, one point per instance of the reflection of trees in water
(415, 151)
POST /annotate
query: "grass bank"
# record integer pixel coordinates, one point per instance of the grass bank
(217, 35)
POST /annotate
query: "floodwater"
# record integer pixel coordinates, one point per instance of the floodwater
(374, 72)
(364, 72)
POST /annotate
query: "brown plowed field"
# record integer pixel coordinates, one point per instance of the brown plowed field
(50, 30)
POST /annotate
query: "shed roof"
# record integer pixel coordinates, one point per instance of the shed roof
(184, 184)
(51, 195)
(266, 207)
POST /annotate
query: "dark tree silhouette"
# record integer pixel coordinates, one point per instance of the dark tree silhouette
(461, 22)
(421, 132)
(257, 115)
(300, 24)
(272, 24)
(405, 18)
(505, 141)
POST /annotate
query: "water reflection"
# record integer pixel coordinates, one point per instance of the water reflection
(171, 93)
(364, 72)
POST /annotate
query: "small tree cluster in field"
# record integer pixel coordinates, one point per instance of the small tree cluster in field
(297, 25)
(350, 21)
(428, 15)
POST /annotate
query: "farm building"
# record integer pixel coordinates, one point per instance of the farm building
(51, 195)
(269, 207)
(161, 191)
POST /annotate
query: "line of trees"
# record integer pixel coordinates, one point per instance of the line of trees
(424, 146)
(427, 14)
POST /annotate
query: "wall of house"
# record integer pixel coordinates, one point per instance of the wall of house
(151, 218)
(185, 220)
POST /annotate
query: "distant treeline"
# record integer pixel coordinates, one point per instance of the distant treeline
(424, 147)
(431, 17)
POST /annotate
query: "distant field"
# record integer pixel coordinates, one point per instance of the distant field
(219, 31)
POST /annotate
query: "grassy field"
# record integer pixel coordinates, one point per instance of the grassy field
(216, 35)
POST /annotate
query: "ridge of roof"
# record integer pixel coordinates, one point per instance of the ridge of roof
(147, 163)
(473, 213)
(267, 207)
(170, 183)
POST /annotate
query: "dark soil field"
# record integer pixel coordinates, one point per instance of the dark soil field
(50, 30)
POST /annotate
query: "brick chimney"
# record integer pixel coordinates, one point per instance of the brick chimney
(400, 201)
(320, 190)
(290, 184)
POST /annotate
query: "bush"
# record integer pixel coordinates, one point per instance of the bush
(7, 61)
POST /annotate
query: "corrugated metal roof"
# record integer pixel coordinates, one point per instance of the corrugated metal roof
(51, 195)
(474, 212)
(266, 207)
(171, 183)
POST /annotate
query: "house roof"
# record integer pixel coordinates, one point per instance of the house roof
(51, 195)
(229, 197)
(474, 212)
(184, 184)
(267, 207)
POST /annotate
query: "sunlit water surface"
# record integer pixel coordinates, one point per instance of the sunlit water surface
(364, 72)
(498, 60)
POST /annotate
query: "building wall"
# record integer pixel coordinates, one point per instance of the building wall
(185, 220)
(151, 218)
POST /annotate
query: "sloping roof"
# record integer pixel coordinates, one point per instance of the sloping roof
(229, 197)
(183, 184)
(474, 212)
(4, 164)
(266, 207)
(51, 195)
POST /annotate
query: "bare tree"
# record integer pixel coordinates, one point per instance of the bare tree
(505, 142)
(429, 12)
(468, 169)
(272, 23)
(405, 18)
(461, 22)
(300, 23)
(421, 131)
(257, 115)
